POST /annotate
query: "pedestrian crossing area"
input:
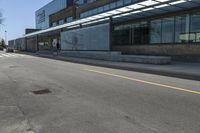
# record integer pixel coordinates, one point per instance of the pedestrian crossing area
(10, 55)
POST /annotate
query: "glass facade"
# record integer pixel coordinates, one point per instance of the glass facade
(110, 6)
(175, 29)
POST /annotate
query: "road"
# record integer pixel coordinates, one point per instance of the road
(41, 95)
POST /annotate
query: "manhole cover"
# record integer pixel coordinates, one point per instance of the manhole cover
(41, 92)
(13, 66)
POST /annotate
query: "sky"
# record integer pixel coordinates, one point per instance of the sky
(18, 15)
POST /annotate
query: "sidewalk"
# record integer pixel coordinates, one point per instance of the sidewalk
(176, 69)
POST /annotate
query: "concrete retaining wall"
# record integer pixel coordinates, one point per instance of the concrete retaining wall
(162, 49)
(178, 52)
(116, 56)
(89, 38)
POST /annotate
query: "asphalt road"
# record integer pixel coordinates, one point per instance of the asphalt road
(88, 99)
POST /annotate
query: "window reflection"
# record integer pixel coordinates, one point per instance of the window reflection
(195, 27)
(155, 31)
(137, 33)
(122, 35)
(181, 34)
(140, 33)
(168, 30)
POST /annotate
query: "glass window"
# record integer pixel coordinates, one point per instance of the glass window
(131, 34)
(100, 9)
(181, 35)
(195, 27)
(144, 31)
(69, 19)
(122, 35)
(81, 15)
(155, 31)
(195, 19)
(112, 5)
(126, 2)
(95, 11)
(86, 14)
(89, 13)
(168, 30)
(140, 33)
(197, 37)
(106, 8)
(119, 3)
(61, 22)
(54, 24)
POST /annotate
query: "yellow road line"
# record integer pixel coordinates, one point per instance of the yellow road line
(143, 81)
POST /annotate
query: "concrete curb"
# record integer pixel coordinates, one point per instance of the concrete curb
(122, 67)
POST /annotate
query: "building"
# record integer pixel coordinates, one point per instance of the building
(42, 15)
(145, 27)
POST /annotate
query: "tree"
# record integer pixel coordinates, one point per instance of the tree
(2, 43)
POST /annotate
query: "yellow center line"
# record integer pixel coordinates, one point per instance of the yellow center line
(143, 81)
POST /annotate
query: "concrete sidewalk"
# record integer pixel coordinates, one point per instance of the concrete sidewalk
(175, 69)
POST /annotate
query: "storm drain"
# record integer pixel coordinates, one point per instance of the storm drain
(41, 92)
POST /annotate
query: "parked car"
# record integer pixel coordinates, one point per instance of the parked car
(9, 50)
(1, 48)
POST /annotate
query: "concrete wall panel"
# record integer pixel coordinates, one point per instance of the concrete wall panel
(89, 38)
(163, 49)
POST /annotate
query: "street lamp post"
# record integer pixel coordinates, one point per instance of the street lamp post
(5, 37)
(0, 29)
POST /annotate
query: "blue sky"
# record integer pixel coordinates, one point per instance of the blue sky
(19, 14)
